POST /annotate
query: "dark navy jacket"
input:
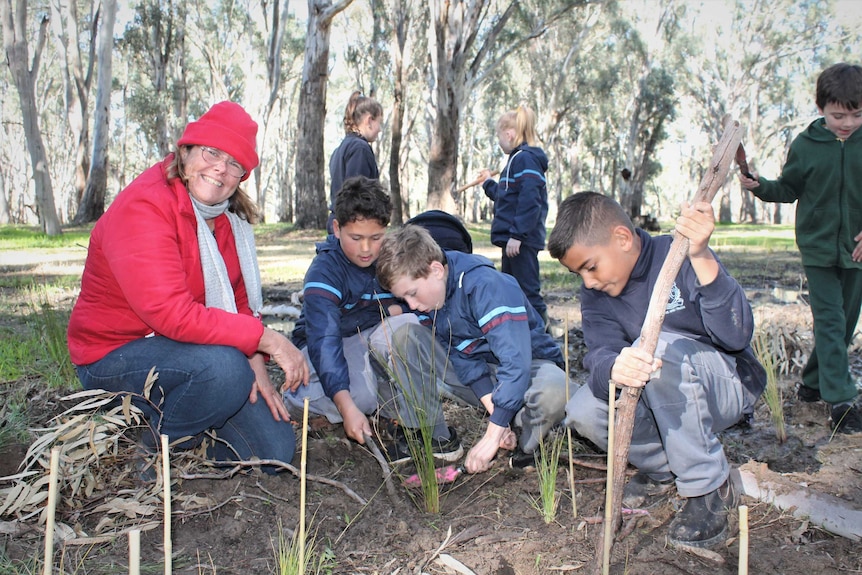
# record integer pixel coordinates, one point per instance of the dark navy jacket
(487, 319)
(340, 300)
(717, 314)
(520, 198)
(353, 157)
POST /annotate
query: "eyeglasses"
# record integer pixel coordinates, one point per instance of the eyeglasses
(213, 156)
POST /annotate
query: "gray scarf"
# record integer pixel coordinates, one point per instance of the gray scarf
(219, 292)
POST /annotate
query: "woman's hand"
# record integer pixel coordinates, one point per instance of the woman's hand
(263, 386)
(288, 358)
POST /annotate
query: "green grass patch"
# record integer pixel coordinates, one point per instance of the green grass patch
(29, 237)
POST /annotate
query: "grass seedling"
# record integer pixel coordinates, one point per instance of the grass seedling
(292, 558)
(411, 384)
(771, 395)
(547, 468)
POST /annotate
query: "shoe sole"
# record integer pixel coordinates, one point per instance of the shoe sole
(705, 544)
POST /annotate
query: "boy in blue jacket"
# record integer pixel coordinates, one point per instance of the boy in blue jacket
(497, 341)
(703, 376)
(349, 325)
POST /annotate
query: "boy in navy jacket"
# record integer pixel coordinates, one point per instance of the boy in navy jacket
(703, 377)
(496, 340)
(350, 327)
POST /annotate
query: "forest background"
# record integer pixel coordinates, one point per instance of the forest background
(630, 94)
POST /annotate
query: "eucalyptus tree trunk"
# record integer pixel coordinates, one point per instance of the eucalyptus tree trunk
(464, 52)
(77, 80)
(400, 28)
(93, 203)
(24, 76)
(311, 203)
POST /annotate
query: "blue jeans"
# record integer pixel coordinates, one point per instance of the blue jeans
(199, 387)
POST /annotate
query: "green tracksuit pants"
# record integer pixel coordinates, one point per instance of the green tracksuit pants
(835, 296)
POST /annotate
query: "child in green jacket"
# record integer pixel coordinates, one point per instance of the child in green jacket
(823, 175)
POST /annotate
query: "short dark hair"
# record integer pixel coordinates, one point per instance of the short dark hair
(586, 218)
(840, 84)
(362, 198)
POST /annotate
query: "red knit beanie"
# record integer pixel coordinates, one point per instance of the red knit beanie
(228, 127)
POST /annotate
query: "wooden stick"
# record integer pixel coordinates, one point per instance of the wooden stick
(302, 467)
(166, 478)
(723, 156)
(475, 182)
(384, 466)
(135, 552)
(569, 429)
(51, 510)
(610, 489)
(743, 540)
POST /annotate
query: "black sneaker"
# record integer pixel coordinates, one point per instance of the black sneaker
(398, 450)
(521, 460)
(644, 492)
(807, 394)
(702, 522)
(846, 418)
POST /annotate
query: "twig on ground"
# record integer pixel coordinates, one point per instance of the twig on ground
(384, 465)
(238, 465)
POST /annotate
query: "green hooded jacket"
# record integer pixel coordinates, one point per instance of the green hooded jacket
(824, 176)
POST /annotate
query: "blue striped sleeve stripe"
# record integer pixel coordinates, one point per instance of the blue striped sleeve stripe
(498, 315)
(540, 175)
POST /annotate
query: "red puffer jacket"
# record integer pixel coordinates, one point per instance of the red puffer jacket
(143, 276)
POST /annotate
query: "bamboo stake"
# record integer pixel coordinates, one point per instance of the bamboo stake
(166, 478)
(135, 552)
(723, 155)
(302, 467)
(609, 491)
(51, 511)
(569, 429)
(475, 182)
(743, 540)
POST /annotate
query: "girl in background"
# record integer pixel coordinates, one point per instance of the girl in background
(354, 156)
(520, 202)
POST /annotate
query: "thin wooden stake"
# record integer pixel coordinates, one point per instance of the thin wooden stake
(569, 429)
(166, 478)
(743, 540)
(609, 490)
(135, 552)
(301, 538)
(51, 511)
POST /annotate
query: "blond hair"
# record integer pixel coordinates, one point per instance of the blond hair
(523, 120)
(407, 252)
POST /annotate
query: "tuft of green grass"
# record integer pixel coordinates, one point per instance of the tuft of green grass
(49, 324)
(547, 469)
(764, 345)
(28, 237)
(314, 561)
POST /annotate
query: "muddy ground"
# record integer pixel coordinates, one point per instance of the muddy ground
(489, 523)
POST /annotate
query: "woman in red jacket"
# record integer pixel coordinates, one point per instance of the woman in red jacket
(171, 283)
